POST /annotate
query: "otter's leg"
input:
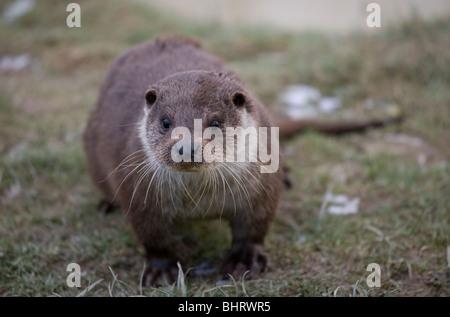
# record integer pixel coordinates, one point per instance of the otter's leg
(155, 233)
(249, 229)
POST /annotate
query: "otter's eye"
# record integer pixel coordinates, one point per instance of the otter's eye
(166, 123)
(214, 123)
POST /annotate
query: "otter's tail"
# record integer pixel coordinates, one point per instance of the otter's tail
(289, 127)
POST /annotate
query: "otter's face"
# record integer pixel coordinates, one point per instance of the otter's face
(185, 112)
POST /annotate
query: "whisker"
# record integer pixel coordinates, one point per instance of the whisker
(212, 183)
(231, 191)
(187, 192)
(144, 172)
(241, 185)
(125, 178)
(248, 172)
(125, 160)
(155, 172)
(171, 196)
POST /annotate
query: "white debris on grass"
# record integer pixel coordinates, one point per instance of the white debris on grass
(329, 104)
(338, 204)
(12, 192)
(301, 239)
(303, 101)
(402, 138)
(16, 9)
(14, 63)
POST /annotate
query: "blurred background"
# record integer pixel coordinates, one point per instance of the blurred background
(302, 15)
(379, 197)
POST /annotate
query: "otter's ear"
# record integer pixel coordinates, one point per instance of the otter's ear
(150, 96)
(238, 99)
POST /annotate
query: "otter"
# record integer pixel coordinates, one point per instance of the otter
(149, 91)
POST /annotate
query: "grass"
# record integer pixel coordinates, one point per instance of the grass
(47, 201)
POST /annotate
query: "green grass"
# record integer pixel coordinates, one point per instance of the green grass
(48, 213)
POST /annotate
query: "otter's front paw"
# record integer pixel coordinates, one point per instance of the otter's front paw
(243, 257)
(160, 270)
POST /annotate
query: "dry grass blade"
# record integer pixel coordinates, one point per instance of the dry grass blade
(181, 284)
(89, 288)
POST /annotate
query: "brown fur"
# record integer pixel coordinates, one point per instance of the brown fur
(130, 160)
(189, 83)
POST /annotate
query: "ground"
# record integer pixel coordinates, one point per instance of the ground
(401, 174)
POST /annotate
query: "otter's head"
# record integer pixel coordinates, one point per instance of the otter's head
(186, 112)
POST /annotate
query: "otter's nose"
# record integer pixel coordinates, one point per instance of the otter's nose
(180, 151)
